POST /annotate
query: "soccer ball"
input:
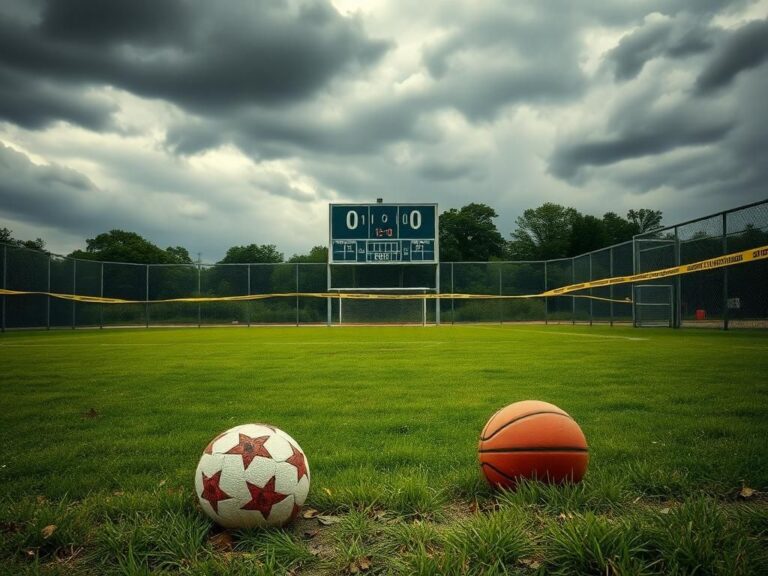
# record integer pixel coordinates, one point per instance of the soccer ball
(253, 475)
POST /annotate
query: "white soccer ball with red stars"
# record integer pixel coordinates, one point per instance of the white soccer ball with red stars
(254, 475)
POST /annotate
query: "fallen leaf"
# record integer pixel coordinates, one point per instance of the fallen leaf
(636, 500)
(41, 499)
(327, 491)
(364, 563)
(222, 541)
(535, 565)
(118, 493)
(309, 513)
(352, 568)
(30, 552)
(747, 492)
(162, 483)
(664, 511)
(48, 531)
(328, 520)
(309, 534)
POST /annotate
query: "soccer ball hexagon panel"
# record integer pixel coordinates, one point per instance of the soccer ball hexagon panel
(254, 475)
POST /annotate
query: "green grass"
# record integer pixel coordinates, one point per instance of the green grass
(102, 430)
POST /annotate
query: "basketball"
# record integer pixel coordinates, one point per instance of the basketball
(533, 440)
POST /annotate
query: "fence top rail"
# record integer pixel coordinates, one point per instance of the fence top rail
(700, 218)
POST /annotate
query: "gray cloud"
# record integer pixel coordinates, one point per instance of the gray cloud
(638, 135)
(746, 48)
(45, 195)
(667, 38)
(495, 102)
(201, 56)
(34, 103)
(503, 56)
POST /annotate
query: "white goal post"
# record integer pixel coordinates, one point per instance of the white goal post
(385, 299)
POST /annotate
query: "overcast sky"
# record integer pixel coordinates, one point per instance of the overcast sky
(212, 124)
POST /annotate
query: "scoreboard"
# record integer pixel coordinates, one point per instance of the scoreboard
(383, 234)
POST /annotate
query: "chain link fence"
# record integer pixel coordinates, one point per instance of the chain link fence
(736, 296)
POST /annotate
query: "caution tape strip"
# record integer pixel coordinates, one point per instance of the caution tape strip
(711, 264)
(742, 257)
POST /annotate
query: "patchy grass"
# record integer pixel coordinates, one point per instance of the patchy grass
(102, 431)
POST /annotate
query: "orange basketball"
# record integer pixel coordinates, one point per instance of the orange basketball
(535, 440)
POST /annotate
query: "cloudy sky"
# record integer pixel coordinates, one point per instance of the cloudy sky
(211, 124)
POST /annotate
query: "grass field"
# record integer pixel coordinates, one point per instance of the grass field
(102, 430)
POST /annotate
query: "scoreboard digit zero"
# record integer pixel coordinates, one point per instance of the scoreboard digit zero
(383, 234)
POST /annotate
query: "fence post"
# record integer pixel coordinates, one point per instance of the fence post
(248, 308)
(725, 272)
(74, 290)
(438, 301)
(677, 318)
(501, 302)
(635, 266)
(329, 304)
(573, 298)
(610, 288)
(453, 311)
(297, 293)
(5, 280)
(146, 295)
(546, 299)
(48, 299)
(590, 290)
(198, 292)
(101, 294)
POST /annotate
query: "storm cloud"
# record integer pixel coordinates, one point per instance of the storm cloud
(201, 56)
(209, 124)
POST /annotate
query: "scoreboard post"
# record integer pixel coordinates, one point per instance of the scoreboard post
(383, 234)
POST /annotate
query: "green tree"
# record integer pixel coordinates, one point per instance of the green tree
(618, 229)
(588, 233)
(543, 233)
(470, 235)
(122, 246)
(179, 254)
(6, 237)
(253, 254)
(645, 220)
(317, 254)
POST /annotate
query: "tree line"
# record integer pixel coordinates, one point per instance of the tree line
(467, 234)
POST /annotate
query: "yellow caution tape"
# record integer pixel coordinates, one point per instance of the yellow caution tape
(710, 264)
(742, 257)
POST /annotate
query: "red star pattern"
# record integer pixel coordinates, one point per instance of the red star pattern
(249, 448)
(262, 499)
(212, 492)
(297, 460)
(295, 511)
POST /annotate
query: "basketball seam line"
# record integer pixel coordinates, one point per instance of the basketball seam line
(534, 449)
(492, 467)
(524, 416)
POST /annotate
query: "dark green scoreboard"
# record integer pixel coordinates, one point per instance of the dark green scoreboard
(383, 234)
